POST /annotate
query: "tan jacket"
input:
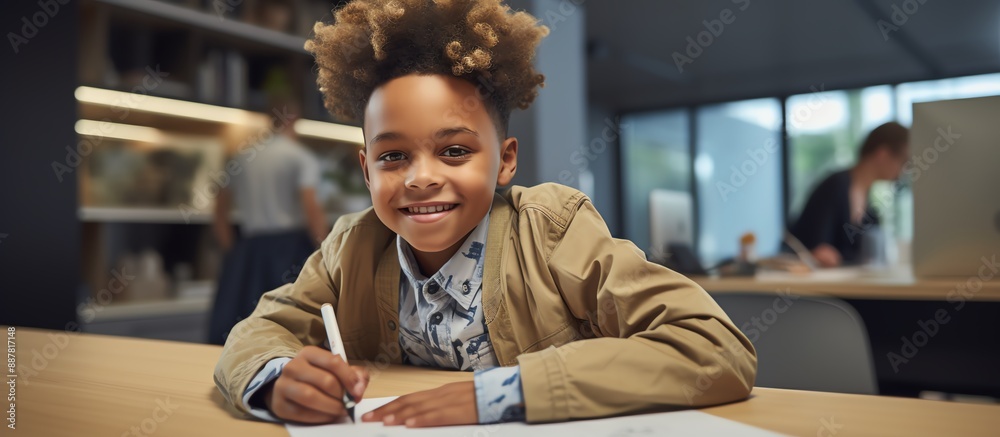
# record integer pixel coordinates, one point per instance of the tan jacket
(596, 329)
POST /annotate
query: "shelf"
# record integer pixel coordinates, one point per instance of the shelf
(106, 214)
(199, 118)
(213, 23)
(153, 308)
(141, 215)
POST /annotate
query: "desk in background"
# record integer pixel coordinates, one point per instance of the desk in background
(102, 386)
(963, 357)
(854, 283)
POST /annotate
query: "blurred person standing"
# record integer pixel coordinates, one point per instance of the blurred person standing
(281, 222)
(838, 210)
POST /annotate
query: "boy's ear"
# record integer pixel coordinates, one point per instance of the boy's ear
(508, 161)
(364, 167)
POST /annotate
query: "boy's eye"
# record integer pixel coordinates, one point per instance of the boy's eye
(392, 156)
(454, 152)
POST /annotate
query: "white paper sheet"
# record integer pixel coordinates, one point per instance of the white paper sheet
(690, 422)
(367, 405)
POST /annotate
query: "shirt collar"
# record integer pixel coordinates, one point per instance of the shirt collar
(462, 276)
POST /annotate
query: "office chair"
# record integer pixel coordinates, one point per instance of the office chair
(805, 343)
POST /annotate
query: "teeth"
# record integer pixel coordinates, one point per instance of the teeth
(429, 209)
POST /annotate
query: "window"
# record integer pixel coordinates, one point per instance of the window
(655, 154)
(945, 89)
(738, 170)
(738, 193)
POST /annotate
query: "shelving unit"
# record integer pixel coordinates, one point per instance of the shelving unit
(193, 56)
(216, 24)
(208, 53)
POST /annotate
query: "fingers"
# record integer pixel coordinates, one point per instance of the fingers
(334, 364)
(294, 413)
(435, 411)
(435, 418)
(301, 370)
(299, 402)
(364, 377)
(448, 399)
(311, 387)
(404, 406)
(287, 410)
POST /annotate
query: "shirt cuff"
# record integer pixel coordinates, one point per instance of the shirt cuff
(269, 373)
(499, 397)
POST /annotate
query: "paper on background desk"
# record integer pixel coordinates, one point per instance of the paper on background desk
(688, 422)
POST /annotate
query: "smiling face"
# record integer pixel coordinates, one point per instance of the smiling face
(432, 161)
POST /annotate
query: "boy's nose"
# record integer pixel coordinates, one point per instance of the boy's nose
(423, 174)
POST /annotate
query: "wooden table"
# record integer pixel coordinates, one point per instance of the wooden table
(91, 385)
(852, 283)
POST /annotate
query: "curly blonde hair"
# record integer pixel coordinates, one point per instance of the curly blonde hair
(374, 41)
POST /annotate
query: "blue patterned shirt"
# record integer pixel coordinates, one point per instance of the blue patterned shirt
(441, 325)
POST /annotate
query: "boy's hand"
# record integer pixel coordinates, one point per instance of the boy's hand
(310, 388)
(450, 404)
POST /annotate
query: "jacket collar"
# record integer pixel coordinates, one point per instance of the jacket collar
(387, 277)
(501, 218)
(460, 276)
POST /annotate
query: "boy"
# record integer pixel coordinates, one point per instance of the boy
(443, 272)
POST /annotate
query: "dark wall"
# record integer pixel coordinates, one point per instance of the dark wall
(39, 230)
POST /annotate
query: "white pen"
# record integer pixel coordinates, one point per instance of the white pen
(337, 348)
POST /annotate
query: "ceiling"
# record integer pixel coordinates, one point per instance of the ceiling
(779, 47)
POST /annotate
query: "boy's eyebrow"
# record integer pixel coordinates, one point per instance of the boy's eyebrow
(449, 131)
(441, 133)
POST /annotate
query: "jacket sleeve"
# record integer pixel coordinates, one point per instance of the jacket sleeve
(285, 319)
(661, 341)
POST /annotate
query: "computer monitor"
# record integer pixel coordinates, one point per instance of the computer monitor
(670, 218)
(956, 186)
